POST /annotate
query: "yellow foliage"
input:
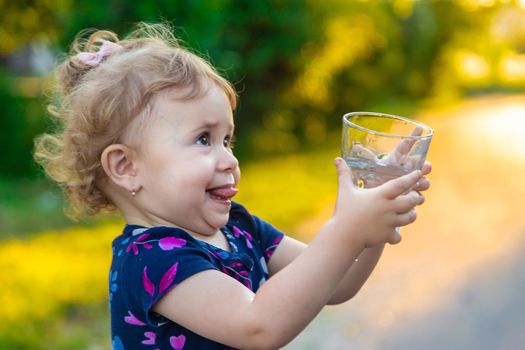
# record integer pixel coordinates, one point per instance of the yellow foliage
(54, 269)
(347, 39)
(472, 68)
(511, 69)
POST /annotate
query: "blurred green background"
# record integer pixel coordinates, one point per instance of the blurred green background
(298, 67)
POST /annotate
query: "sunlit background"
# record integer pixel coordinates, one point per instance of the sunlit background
(456, 280)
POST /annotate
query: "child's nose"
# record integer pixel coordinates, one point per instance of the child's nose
(227, 161)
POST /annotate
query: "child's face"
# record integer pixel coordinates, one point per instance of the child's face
(185, 163)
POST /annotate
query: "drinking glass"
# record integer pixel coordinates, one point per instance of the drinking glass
(379, 147)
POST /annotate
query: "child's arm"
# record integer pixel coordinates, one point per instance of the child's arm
(359, 271)
(352, 281)
(218, 307)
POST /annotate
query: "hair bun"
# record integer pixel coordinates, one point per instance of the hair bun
(74, 68)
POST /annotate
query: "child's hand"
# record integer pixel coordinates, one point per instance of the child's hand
(373, 214)
(423, 184)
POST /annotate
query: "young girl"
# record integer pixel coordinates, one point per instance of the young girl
(147, 129)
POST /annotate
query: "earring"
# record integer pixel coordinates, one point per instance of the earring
(135, 191)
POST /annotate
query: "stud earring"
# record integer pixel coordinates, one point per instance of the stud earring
(133, 193)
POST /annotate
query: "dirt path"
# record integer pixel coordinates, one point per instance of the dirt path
(457, 279)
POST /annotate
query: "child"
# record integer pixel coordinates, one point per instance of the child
(148, 129)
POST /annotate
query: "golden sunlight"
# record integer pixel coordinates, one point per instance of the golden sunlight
(471, 67)
(499, 130)
(512, 68)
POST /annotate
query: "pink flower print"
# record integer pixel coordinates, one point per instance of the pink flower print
(235, 264)
(271, 249)
(177, 343)
(168, 277)
(131, 319)
(134, 245)
(170, 243)
(248, 235)
(236, 231)
(146, 282)
(150, 338)
(248, 239)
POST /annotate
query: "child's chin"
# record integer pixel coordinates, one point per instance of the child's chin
(224, 221)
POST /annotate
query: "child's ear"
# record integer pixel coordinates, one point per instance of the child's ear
(118, 163)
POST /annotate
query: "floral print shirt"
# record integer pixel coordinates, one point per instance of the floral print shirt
(149, 262)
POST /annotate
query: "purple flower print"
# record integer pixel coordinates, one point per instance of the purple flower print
(146, 282)
(170, 243)
(131, 319)
(165, 281)
(177, 343)
(248, 235)
(150, 338)
(139, 241)
(168, 277)
(237, 232)
(271, 249)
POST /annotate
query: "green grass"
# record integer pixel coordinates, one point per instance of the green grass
(27, 207)
(77, 327)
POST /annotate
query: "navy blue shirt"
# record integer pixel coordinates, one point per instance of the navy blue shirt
(149, 262)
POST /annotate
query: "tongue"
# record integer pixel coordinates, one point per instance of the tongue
(226, 192)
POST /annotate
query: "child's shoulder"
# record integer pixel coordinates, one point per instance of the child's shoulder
(238, 209)
(137, 231)
(134, 236)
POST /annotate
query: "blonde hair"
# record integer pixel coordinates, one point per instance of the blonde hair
(94, 105)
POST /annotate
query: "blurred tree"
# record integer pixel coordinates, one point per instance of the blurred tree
(25, 21)
(389, 56)
(298, 65)
(253, 43)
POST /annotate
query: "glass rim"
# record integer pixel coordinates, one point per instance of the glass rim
(392, 116)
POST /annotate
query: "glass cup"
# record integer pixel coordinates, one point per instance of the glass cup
(379, 147)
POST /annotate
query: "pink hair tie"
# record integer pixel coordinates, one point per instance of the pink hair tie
(93, 59)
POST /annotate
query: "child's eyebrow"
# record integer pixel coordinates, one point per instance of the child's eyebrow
(210, 125)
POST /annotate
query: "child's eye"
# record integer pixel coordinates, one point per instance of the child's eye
(203, 139)
(229, 141)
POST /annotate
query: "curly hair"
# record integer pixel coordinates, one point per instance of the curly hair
(93, 105)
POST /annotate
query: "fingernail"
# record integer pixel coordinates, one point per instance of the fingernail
(337, 161)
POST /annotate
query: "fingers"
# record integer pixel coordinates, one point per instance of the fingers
(394, 237)
(418, 130)
(344, 175)
(422, 185)
(406, 145)
(406, 218)
(407, 202)
(427, 168)
(362, 152)
(400, 185)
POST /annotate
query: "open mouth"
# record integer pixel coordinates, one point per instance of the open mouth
(222, 194)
